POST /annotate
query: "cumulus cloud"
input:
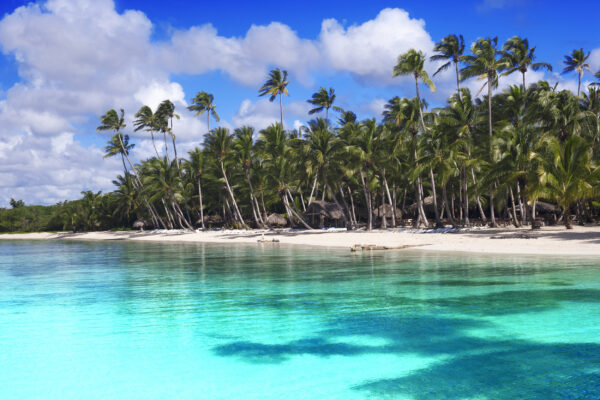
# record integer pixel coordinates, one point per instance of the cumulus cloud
(370, 50)
(78, 58)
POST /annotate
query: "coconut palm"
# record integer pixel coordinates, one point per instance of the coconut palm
(196, 165)
(323, 99)
(450, 49)
(118, 144)
(567, 172)
(486, 62)
(577, 61)
(165, 114)
(115, 122)
(203, 103)
(276, 85)
(244, 153)
(147, 120)
(219, 142)
(520, 57)
(412, 63)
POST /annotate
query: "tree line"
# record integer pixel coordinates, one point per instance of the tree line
(487, 159)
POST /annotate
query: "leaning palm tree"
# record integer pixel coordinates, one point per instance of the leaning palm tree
(450, 48)
(576, 61)
(219, 142)
(203, 102)
(276, 85)
(323, 99)
(111, 121)
(520, 57)
(114, 147)
(412, 63)
(165, 114)
(147, 120)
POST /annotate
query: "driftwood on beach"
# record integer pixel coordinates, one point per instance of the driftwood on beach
(358, 247)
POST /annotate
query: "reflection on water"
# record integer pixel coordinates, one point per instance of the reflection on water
(134, 320)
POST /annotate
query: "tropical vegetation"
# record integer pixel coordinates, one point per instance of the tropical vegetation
(523, 155)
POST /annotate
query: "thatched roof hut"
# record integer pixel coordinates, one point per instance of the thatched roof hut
(276, 220)
(378, 213)
(139, 224)
(325, 209)
(215, 219)
(427, 205)
(546, 208)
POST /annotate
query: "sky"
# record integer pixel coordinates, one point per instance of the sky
(64, 63)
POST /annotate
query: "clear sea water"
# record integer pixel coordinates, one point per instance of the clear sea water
(115, 320)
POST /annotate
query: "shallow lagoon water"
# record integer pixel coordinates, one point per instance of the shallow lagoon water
(118, 320)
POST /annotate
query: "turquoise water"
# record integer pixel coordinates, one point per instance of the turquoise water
(98, 320)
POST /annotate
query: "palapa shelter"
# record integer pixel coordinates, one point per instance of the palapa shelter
(139, 224)
(327, 212)
(378, 213)
(211, 221)
(276, 220)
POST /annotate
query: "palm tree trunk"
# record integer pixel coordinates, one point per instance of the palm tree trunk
(200, 200)
(457, 79)
(514, 208)
(438, 221)
(419, 100)
(154, 144)
(235, 206)
(387, 189)
(350, 224)
(466, 198)
(477, 198)
(292, 211)
(383, 213)
(166, 148)
(335, 200)
(175, 151)
(578, 89)
(281, 110)
(310, 199)
(447, 206)
(352, 205)
(367, 194)
(489, 83)
(256, 218)
(420, 198)
(524, 85)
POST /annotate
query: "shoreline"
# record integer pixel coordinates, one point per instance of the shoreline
(555, 240)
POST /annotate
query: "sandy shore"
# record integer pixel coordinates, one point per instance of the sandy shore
(548, 240)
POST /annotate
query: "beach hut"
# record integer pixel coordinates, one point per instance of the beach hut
(378, 213)
(139, 224)
(276, 220)
(328, 213)
(214, 220)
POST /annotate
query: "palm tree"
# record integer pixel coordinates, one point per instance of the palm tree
(115, 122)
(113, 147)
(484, 63)
(324, 147)
(568, 172)
(520, 57)
(244, 152)
(275, 85)
(576, 61)
(323, 100)
(165, 114)
(196, 166)
(450, 48)
(203, 102)
(147, 120)
(412, 63)
(220, 143)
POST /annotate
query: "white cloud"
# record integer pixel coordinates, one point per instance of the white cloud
(370, 50)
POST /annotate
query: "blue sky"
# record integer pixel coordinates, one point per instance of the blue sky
(65, 62)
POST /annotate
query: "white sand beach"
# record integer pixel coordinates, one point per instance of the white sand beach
(546, 241)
